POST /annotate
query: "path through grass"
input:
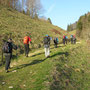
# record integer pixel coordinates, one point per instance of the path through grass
(39, 73)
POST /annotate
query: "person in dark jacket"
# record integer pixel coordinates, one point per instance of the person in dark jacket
(74, 39)
(7, 50)
(71, 39)
(64, 39)
(47, 45)
(55, 42)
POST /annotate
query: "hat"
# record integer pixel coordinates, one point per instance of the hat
(47, 35)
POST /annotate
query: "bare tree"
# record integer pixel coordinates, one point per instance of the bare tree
(34, 6)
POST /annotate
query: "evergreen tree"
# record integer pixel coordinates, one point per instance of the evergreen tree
(49, 20)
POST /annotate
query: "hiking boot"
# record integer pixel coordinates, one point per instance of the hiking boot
(48, 56)
(26, 55)
(9, 68)
(7, 71)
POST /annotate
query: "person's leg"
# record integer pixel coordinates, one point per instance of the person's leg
(56, 45)
(7, 58)
(64, 41)
(27, 51)
(71, 41)
(10, 60)
(48, 51)
(75, 41)
(45, 52)
(25, 48)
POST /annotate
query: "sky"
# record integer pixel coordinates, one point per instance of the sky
(64, 12)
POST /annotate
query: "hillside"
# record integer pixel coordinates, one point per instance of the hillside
(16, 25)
(72, 27)
(83, 26)
(66, 69)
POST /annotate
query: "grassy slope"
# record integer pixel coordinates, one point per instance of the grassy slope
(67, 68)
(83, 27)
(18, 24)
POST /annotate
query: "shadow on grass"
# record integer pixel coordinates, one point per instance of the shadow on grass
(57, 47)
(32, 63)
(39, 61)
(37, 54)
(60, 53)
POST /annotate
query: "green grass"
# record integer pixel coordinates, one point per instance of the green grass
(67, 68)
(17, 24)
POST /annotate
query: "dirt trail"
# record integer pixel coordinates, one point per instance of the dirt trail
(14, 63)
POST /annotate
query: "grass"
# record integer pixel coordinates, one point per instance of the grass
(67, 68)
(18, 25)
(72, 70)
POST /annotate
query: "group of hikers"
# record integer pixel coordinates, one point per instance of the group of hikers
(65, 39)
(8, 46)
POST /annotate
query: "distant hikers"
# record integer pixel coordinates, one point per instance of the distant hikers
(47, 45)
(26, 41)
(55, 42)
(65, 39)
(73, 39)
(7, 50)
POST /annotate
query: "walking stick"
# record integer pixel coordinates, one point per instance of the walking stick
(2, 58)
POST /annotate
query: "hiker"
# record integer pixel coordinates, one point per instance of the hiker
(64, 39)
(74, 39)
(47, 45)
(7, 50)
(71, 39)
(55, 42)
(26, 41)
(49, 38)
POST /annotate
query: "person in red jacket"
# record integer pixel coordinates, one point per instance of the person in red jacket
(26, 41)
(64, 39)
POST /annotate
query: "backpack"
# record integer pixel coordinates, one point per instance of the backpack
(74, 38)
(46, 40)
(6, 48)
(63, 37)
(56, 40)
(66, 37)
(25, 41)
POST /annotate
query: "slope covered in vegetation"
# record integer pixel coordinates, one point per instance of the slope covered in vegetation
(83, 26)
(66, 69)
(17, 25)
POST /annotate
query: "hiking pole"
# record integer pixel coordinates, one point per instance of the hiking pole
(2, 58)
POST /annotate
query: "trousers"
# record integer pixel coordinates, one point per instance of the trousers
(8, 57)
(47, 52)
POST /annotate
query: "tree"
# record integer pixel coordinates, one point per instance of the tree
(49, 20)
(34, 6)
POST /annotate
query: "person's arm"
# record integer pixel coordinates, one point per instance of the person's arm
(14, 46)
(29, 39)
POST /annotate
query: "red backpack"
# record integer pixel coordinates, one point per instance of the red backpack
(26, 39)
(64, 37)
